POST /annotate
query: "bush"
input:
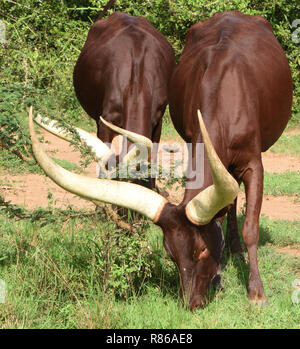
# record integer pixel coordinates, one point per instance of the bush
(44, 39)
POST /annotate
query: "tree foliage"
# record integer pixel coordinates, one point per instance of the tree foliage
(44, 38)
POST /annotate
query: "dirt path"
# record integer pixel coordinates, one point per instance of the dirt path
(291, 251)
(275, 207)
(278, 163)
(31, 190)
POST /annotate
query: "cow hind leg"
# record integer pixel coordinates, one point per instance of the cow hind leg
(253, 181)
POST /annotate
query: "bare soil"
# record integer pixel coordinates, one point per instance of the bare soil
(275, 207)
(278, 163)
(31, 190)
(291, 251)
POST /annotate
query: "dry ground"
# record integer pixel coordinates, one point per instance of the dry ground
(31, 190)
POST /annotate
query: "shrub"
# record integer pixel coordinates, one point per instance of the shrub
(44, 39)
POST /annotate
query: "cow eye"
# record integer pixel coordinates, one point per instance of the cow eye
(203, 253)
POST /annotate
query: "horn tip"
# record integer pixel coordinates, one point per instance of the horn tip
(200, 118)
(30, 111)
(30, 114)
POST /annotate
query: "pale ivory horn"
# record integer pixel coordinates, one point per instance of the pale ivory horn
(100, 149)
(128, 195)
(132, 137)
(204, 206)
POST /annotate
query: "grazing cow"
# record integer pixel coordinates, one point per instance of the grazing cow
(122, 74)
(234, 70)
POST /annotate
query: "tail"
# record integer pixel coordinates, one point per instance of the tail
(107, 7)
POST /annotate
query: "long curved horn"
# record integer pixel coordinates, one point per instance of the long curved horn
(203, 207)
(132, 196)
(132, 137)
(100, 149)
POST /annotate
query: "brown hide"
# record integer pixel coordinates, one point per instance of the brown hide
(122, 74)
(234, 70)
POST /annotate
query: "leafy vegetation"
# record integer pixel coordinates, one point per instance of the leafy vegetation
(85, 273)
(44, 39)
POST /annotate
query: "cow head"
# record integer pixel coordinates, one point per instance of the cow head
(192, 237)
(195, 250)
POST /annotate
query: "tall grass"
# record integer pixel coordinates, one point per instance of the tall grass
(88, 274)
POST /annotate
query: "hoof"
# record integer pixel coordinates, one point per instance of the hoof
(217, 283)
(240, 256)
(259, 302)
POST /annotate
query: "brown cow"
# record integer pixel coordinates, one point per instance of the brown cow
(234, 70)
(122, 74)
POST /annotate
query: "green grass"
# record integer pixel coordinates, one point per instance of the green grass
(228, 309)
(279, 233)
(70, 166)
(10, 164)
(168, 132)
(288, 144)
(287, 183)
(85, 273)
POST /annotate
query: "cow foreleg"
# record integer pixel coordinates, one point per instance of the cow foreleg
(253, 181)
(155, 138)
(232, 237)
